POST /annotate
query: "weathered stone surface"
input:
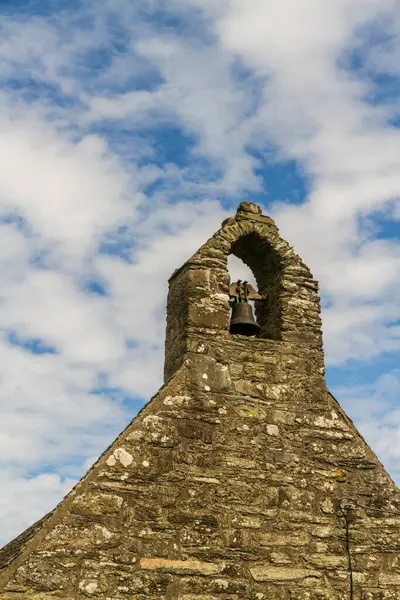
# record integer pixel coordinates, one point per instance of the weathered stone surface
(228, 484)
(95, 505)
(269, 573)
(183, 567)
(392, 579)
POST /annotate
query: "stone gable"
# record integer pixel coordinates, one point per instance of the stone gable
(242, 479)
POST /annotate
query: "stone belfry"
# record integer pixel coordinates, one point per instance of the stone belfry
(242, 479)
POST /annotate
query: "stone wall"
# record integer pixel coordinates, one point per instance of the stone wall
(237, 481)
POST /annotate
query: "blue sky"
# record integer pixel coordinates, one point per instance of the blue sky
(128, 133)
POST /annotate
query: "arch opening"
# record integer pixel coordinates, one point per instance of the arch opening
(262, 261)
(242, 285)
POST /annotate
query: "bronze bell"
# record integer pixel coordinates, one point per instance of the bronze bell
(242, 320)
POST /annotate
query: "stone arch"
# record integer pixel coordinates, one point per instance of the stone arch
(255, 239)
(266, 266)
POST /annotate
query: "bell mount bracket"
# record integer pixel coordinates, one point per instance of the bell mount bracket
(242, 291)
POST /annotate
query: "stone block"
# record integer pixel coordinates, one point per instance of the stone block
(206, 374)
(389, 579)
(182, 567)
(266, 572)
(93, 504)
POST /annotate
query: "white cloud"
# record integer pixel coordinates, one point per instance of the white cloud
(375, 408)
(40, 494)
(48, 412)
(68, 192)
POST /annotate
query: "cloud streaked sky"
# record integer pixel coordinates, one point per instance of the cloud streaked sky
(128, 132)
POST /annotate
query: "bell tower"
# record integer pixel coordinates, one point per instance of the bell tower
(287, 302)
(242, 478)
